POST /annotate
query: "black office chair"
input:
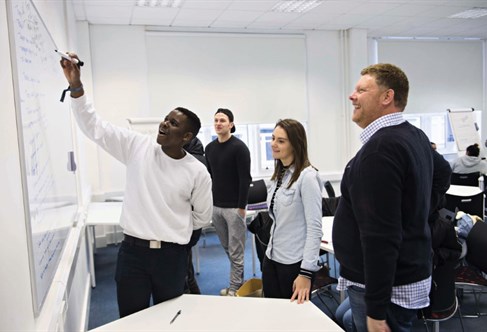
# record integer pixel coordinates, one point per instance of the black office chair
(329, 206)
(329, 189)
(257, 195)
(468, 179)
(469, 279)
(473, 205)
(443, 299)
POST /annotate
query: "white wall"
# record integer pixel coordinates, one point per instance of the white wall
(120, 91)
(442, 74)
(260, 77)
(16, 301)
(333, 63)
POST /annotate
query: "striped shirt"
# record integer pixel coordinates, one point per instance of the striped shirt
(410, 296)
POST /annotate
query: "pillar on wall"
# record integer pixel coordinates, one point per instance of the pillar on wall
(355, 54)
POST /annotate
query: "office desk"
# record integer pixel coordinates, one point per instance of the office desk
(327, 245)
(456, 190)
(326, 240)
(100, 214)
(108, 214)
(225, 313)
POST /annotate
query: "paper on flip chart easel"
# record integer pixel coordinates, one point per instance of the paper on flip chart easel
(464, 128)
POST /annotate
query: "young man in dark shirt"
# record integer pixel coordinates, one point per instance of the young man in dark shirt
(228, 160)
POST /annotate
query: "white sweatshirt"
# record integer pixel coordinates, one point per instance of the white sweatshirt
(165, 198)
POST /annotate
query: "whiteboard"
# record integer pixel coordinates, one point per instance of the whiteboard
(464, 128)
(45, 141)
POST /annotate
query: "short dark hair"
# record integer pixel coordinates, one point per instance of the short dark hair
(229, 114)
(390, 77)
(473, 150)
(194, 123)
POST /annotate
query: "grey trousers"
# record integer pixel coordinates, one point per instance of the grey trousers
(231, 230)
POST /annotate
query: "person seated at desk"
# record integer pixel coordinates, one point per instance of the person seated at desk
(167, 196)
(470, 162)
(294, 200)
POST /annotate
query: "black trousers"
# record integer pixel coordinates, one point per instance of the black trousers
(191, 285)
(278, 279)
(143, 273)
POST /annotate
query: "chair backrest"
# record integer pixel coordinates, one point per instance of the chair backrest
(329, 206)
(329, 189)
(469, 204)
(477, 246)
(257, 192)
(468, 179)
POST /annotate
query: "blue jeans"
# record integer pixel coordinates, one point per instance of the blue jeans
(398, 318)
(344, 317)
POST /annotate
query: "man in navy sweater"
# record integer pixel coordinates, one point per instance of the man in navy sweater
(228, 160)
(381, 235)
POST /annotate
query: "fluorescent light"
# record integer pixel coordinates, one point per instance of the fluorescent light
(159, 3)
(295, 6)
(471, 13)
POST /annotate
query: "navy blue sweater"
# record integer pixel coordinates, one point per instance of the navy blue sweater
(381, 235)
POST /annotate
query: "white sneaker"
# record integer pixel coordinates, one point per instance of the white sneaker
(227, 292)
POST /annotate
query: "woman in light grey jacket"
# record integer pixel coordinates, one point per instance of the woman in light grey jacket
(294, 200)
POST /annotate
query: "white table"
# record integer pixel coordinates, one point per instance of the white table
(326, 240)
(108, 214)
(100, 214)
(327, 245)
(456, 190)
(225, 313)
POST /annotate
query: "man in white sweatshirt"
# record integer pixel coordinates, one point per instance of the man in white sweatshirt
(470, 162)
(167, 196)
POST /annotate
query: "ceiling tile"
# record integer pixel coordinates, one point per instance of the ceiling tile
(120, 14)
(238, 16)
(378, 17)
(206, 4)
(154, 16)
(252, 5)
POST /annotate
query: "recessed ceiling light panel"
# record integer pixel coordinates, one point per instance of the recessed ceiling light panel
(471, 13)
(159, 3)
(295, 6)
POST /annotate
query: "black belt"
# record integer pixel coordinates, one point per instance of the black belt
(153, 244)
